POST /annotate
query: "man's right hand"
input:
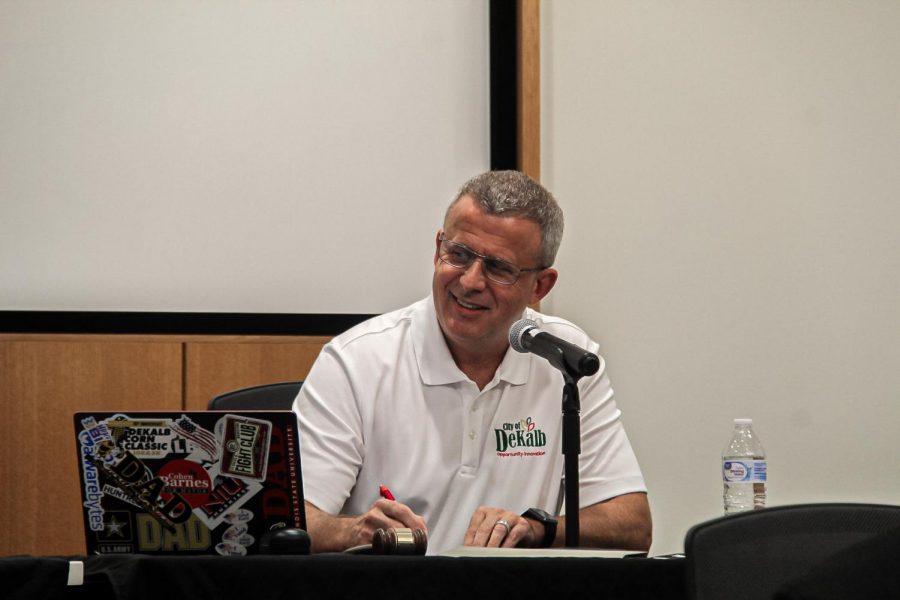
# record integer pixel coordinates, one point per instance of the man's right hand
(331, 533)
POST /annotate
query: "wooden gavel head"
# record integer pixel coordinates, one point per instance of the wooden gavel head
(399, 541)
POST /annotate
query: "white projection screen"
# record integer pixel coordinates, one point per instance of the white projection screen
(233, 157)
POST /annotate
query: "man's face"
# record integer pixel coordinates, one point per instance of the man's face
(474, 312)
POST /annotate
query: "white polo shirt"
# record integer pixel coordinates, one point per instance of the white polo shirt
(385, 403)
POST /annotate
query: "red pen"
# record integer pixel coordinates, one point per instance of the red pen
(386, 493)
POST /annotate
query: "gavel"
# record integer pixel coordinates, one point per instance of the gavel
(394, 540)
(399, 540)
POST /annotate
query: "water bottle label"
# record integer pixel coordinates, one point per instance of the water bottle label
(744, 470)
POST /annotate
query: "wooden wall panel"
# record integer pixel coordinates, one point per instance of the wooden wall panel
(43, 381)
(222, 365)
(528, 54)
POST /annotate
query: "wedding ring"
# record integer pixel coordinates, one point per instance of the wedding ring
(505, 524)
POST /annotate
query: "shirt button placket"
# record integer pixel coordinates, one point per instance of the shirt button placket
(471, 425)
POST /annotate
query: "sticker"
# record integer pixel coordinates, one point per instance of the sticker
(186, 478)
(200, 438)
(230, 549)
(245, 446)
(241, 515)
(143, 438)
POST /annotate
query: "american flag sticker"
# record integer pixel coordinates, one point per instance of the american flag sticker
(201, 438)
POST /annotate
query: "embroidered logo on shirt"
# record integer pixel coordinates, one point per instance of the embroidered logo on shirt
(520, 439)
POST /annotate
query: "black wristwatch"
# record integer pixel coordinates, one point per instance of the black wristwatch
(545, 519)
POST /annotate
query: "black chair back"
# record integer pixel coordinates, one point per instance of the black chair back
(269, 396)
(752, 555)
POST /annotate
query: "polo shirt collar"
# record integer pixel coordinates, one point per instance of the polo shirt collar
(436, 364)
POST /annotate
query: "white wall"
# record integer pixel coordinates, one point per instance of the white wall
(730, 173)
(259, 156)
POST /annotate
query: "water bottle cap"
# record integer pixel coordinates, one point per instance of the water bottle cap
(743, 421)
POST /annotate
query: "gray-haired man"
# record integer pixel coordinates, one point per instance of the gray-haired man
(431, 401)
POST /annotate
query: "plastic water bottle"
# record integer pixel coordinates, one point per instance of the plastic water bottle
(744, 470)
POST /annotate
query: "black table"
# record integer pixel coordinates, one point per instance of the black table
(346, 576)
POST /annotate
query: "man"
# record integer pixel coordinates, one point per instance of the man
(431, 401)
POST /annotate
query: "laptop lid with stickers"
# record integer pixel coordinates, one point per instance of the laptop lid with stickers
(187, 482)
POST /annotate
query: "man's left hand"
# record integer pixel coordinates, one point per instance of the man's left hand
(499, 528)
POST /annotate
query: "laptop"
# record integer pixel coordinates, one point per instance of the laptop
(187, 482)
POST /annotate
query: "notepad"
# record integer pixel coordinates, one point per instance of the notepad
(470, 551)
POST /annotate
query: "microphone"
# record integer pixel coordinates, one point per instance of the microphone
(525, 336)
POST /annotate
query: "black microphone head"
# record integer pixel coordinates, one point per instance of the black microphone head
(516, 331)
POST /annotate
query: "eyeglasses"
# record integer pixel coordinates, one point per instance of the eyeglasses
(459, 256)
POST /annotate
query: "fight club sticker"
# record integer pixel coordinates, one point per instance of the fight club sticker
(245, 447)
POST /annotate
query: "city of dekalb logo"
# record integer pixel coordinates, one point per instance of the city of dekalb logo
(520, 439)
